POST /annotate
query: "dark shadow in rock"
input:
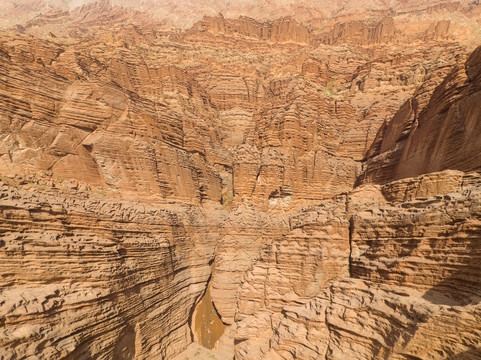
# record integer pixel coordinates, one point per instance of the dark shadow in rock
(474, 354)
(463, 286)
(81, 352)
(125, 346)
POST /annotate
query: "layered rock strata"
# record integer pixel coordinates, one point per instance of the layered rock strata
(136, 158)
(278, 122)
(410, 259)
(408, 265)
(432, 133)
(86, 277)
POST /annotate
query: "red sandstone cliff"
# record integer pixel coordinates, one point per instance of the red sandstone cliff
(432, 133)
(142, 165)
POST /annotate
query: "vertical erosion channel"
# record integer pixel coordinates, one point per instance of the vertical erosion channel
(207, 327)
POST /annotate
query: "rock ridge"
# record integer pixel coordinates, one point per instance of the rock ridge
(310, 175)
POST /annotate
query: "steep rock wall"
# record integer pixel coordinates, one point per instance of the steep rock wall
(222, 133)
(412, 263)
(86, 277)
(280, 30)
(432, 133)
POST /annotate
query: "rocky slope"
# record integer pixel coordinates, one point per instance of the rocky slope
(87, 277)
(184, 14)
(401, 266)
(432, 133)
(302, 187)
(402, 260)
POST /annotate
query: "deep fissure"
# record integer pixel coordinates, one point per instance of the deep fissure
(206, 324)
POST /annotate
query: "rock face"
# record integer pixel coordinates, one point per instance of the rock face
(58, 122)
(186, 13)
(281, 30)
(358, 32)
(432, 134)
(298, 186)
(387, 292)
(84, 277)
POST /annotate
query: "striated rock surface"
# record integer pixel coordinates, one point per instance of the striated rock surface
(87, 277)
(413, 265)
(58, 122)
(281, 30)
(298, 182)
(231, 107)
(358, 32)
(432, 133)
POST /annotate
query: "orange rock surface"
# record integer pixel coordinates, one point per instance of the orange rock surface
(313, 165)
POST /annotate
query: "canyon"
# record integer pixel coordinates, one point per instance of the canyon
(248, 180)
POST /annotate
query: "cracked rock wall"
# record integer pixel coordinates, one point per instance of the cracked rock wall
(86, 277)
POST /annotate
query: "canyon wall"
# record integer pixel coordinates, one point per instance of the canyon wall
(370, 275)
(401, 263)
(432, 133)
(304, 187)
(281, 30)
(84, 276)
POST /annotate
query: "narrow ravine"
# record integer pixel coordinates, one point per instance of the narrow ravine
(207, 327)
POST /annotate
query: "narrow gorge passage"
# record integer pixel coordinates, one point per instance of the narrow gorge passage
(240, 180)
(206, 326)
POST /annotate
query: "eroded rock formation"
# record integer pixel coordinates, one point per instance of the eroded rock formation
(311, 180)
(87, 277)
(414, 265)
(432, 133)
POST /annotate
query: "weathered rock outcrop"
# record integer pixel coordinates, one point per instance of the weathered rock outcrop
(247, 119)
(432, 133)
(401, 266)
(98, 132)
(163, 186)
(280, 30)
(361, 33)
(186, 13)
(400, 259)
(86, 277)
